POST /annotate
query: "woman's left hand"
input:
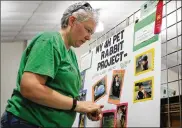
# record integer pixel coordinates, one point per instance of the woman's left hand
(95, 116)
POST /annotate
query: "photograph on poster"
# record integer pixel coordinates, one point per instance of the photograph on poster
(144, 62)
(116, 86)
(122, 113)
(99, 89)
(108, 119)
(82, 78)
(82, 95)
(82, 120)
(143, 89)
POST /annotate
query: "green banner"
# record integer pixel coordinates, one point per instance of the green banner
(144, 32)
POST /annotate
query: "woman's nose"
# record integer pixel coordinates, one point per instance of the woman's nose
(88, 37)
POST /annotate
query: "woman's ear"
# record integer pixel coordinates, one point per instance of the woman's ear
(71, 21)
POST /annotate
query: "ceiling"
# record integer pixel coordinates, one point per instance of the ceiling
(21, 20)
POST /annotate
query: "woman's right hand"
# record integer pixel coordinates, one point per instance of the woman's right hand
(92, 110)
(87, 107)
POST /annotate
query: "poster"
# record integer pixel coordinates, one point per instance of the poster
(147, 7)
(122, 114)
(86, 61)
(82, 78)
(108, 119)
(82, 120)
(82, 116)
(116, 86)
(82, 95)
(99, 89)
(134, 53)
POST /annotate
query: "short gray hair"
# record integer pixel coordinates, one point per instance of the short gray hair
(82, 11)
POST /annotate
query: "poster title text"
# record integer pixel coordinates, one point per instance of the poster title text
(111, 51)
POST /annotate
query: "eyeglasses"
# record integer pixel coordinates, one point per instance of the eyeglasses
(89, 30)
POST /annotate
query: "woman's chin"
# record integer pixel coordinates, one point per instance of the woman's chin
(78, 45)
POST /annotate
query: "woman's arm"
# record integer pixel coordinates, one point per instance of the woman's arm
(33, 88)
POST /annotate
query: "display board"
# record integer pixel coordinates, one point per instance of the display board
(125, 77)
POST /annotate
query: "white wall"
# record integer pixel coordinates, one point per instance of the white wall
(10, 59)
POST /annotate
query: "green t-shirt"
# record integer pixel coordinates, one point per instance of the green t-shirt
(47, 55)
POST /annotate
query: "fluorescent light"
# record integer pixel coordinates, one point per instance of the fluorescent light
(100, 27)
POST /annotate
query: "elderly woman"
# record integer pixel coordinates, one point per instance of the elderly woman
(49, 81)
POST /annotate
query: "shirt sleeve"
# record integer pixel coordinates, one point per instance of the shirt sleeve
(43, 58)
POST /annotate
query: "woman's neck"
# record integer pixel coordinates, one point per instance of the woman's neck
(64, 35)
